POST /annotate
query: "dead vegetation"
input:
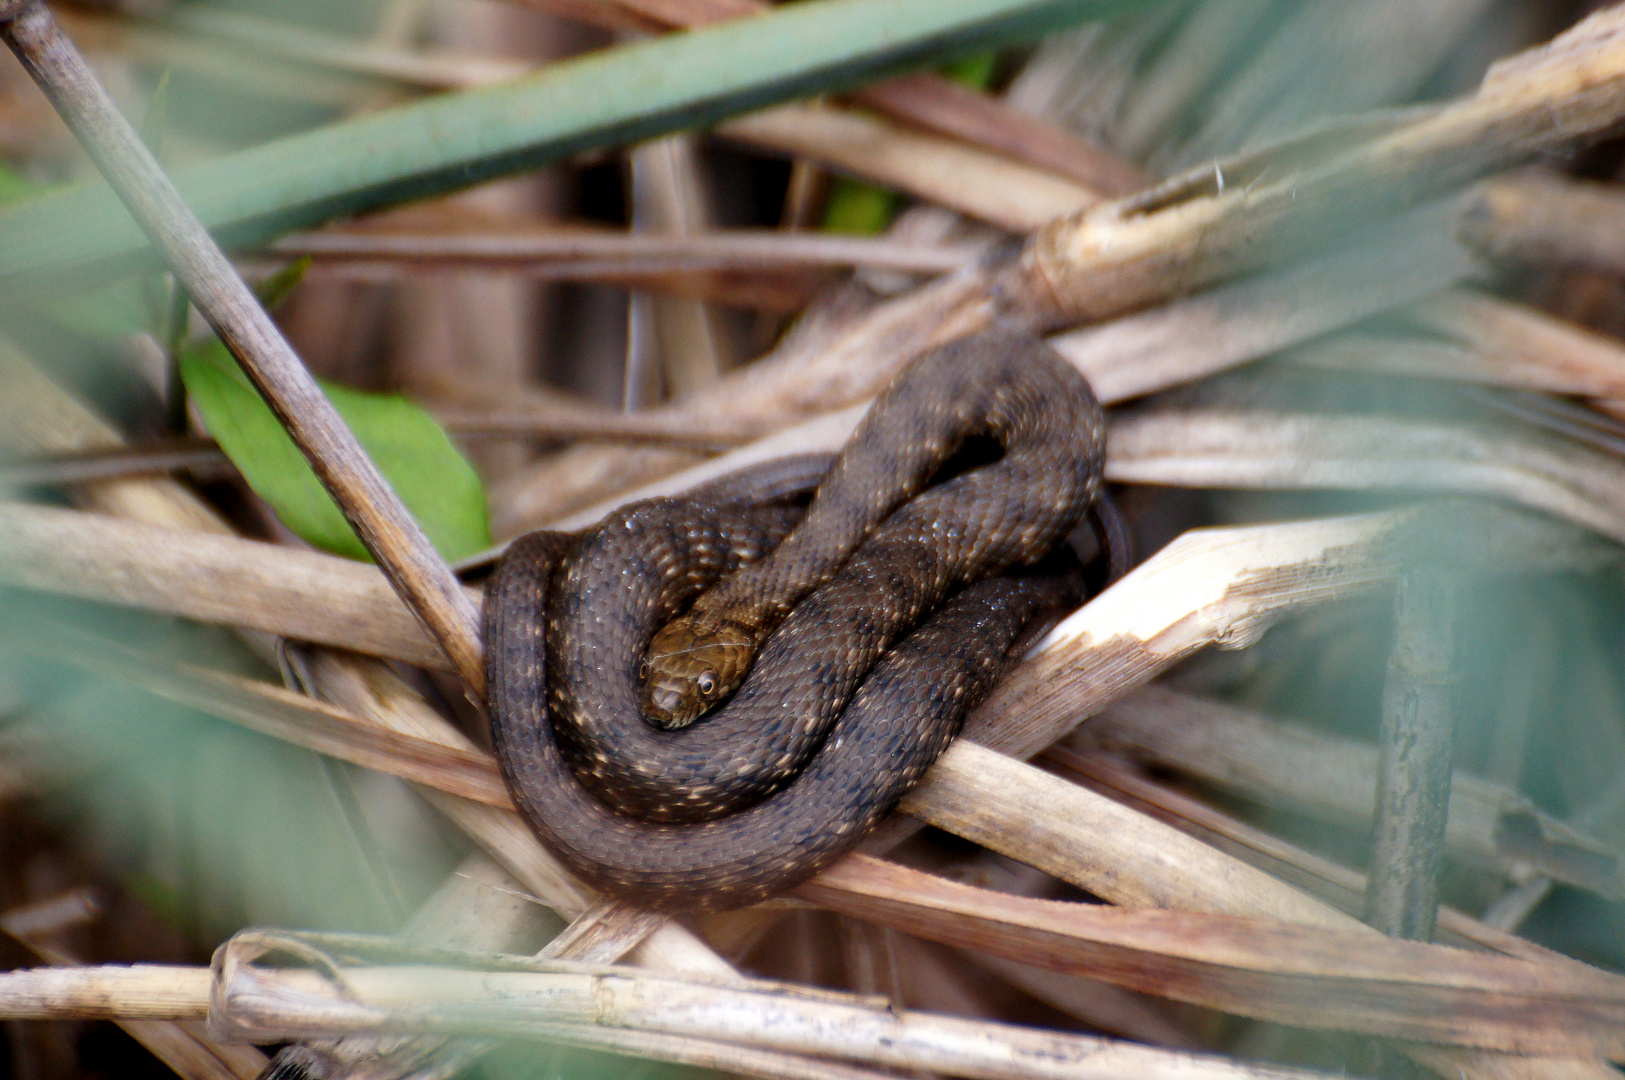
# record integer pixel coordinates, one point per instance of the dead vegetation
(1332, 782)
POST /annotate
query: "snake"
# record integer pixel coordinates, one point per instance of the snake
(666, 763)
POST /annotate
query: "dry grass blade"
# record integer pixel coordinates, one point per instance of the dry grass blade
(1522, 335)
(1256, 449)
(1293, 766)
(993, 189)
(153, 459)
(1338, 886)
(1327, 978)
(283, 714)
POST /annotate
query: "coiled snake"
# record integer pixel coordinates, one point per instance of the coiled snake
(849, 696)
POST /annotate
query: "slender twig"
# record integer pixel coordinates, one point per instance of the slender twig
(160, 456)
(379, 518)
(564, 253)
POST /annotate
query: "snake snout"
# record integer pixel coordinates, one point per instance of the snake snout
(663, 706)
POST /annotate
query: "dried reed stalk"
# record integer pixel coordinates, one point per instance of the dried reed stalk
(251, 1002)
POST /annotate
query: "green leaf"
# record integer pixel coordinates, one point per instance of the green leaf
(449, 141)
(437, 485)
(857, 207)
(975, 70)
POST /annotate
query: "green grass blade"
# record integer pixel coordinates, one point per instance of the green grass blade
(449, 141)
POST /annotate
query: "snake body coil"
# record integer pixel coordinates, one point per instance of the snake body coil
(850, 697)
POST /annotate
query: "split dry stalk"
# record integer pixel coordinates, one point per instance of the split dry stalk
(372, 508)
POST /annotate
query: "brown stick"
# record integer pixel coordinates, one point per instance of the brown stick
(383, 523)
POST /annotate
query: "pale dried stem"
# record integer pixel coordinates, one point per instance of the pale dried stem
(992, 189)
(1219, 221)
(1234, 448)
(561, 254)
(253, 1003)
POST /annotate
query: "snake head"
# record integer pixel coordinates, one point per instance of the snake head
(692, 667)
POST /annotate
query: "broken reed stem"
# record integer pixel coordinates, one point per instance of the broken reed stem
(1413, 760)
(1548, 221)
(383, 523)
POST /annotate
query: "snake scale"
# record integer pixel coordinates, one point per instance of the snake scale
(873, 621)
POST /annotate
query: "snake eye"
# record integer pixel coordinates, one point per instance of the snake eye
(643, 671)
(707, 683)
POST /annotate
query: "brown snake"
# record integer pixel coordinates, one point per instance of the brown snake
(849, 696)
